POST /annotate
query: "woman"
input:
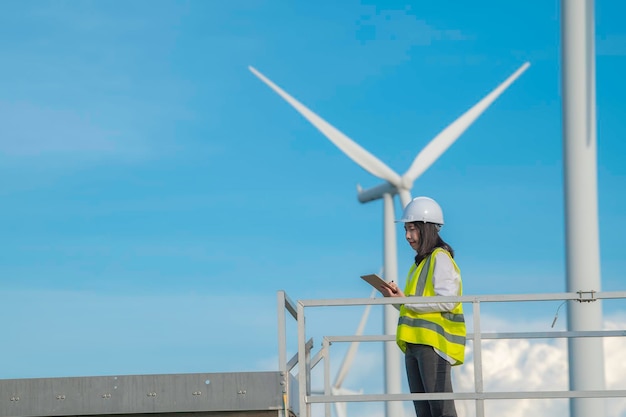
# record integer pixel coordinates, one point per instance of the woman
(431, 335)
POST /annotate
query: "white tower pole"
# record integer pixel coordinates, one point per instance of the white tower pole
(393, 357)
(586, 356)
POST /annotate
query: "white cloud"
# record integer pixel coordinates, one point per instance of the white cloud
(514, 366)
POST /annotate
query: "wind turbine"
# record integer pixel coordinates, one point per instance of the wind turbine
(394, 184)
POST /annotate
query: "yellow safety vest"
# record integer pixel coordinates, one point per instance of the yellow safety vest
(445, 331)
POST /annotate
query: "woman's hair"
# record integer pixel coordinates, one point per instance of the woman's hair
(429, 240)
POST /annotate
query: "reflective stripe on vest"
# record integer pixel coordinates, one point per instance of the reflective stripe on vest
(444, 331)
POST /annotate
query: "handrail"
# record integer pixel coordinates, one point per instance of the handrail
(306, 364)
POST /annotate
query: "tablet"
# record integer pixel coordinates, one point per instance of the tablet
(375, 281)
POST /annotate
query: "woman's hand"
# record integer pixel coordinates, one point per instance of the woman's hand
(390, 289)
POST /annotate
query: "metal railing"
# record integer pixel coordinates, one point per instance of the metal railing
(305, 362)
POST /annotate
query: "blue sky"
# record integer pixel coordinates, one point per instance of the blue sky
(156, 195)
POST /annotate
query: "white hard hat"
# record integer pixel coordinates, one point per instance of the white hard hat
(422, 209)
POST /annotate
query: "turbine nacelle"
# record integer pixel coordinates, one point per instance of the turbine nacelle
(403, 189)
(375, 193)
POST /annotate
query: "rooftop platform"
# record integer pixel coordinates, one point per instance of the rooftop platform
(243, 394)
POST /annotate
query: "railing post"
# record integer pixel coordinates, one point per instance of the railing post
(282, 333)
(327, 387)
(303, 364)
(478, 359)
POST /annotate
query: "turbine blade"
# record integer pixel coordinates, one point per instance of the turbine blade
(353, 150)
(340, 409)
(446, 138)
(347, 360)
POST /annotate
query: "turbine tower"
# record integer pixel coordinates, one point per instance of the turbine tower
(578, 78)
(394, 184)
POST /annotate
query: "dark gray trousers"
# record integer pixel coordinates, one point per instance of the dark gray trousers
(428, 372)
